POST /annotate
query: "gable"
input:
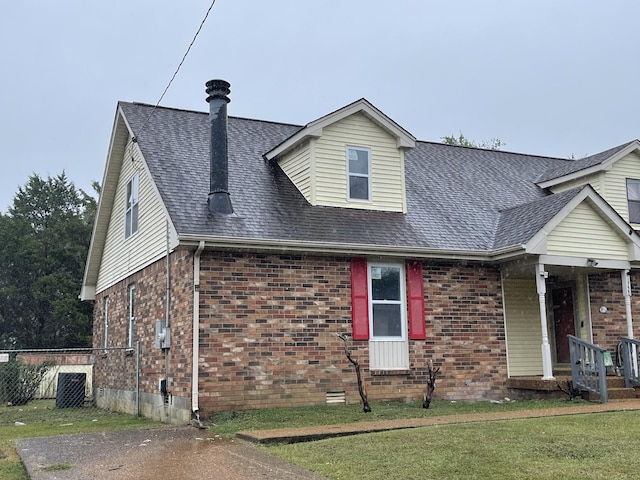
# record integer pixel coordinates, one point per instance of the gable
(584, 233)
(112, 257)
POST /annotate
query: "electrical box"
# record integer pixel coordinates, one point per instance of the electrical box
(163, 337)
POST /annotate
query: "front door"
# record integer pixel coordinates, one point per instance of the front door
(563, 321)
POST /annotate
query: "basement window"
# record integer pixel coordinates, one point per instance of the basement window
(359, 173)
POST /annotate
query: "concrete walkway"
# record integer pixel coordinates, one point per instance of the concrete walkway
(185, 452)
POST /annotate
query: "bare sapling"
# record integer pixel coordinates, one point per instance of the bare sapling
(431, 385)
(361, 388)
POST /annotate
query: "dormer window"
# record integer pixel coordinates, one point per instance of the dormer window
(131, 212)
(633, 199)
(359, 171)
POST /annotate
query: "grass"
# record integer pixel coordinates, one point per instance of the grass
(229, 423)
(586, 446)
(40, 419)
(593, 446)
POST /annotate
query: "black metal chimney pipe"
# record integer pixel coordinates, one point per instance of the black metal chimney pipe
(219, 200)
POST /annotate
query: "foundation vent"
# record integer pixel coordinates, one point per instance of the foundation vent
(336, 398)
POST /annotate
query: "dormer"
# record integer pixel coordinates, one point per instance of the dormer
(351, 158)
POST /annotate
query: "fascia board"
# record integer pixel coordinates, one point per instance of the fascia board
(580, 262)
(120, 130)
(314, 129)
(572, 176)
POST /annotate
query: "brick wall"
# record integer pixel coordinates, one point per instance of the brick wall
(605, 289)
(115, 370)
(269, 325)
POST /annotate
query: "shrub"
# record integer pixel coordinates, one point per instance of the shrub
(19, 380)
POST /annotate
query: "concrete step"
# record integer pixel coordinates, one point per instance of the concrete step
(615, 393)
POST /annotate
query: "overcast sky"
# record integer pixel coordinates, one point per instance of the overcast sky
(548, 77)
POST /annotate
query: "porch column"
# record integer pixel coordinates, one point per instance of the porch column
(626, 291)
(541, 285)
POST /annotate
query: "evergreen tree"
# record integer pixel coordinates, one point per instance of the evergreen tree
(44, 241)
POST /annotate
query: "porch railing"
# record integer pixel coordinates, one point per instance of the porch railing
(588, 371)
(629, 351)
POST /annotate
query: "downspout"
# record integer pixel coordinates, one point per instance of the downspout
(196, 332)
(167, 304)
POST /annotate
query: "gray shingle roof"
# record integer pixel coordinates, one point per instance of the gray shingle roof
(573, 166)
(458, 198)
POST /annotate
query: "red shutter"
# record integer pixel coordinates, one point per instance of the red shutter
(415, 298)
(359, 299)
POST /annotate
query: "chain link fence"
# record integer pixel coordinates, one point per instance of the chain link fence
(57, 378)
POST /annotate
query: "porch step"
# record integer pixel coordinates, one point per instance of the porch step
(615, 393)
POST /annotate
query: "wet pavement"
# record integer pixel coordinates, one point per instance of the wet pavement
(186, 452)
(182, 452)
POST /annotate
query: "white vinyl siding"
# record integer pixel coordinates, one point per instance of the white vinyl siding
(584, 233)
(524, 332)
(122, 257)
(596, 180)
(387, 167)
(297, 166)
(615, 181)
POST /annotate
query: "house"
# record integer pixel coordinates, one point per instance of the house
(233, 251)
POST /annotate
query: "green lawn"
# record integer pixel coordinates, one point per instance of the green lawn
(41, 419)
(591, 446)
(228, 423)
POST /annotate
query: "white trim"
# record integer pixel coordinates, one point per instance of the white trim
(131, 205)
(350, 174)
(106, 322)
(131, 313)
(402, 302)
(314, 129)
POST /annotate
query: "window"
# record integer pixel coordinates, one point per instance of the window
(633, 198)
(106, 323)
(132, 294)
(379, 303)
(386, 314)
(131, 212)
(387, 301)
(359, 172)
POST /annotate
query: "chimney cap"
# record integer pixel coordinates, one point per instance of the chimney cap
(218, 89)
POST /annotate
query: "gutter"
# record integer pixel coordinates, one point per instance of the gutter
(237, 243)
(195, 347)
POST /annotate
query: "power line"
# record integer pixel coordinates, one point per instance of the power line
(184, 57)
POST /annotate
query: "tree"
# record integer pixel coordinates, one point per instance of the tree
(462, 141)
(45, 239)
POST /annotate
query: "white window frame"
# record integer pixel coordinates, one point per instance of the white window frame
(132, 210)
(360, 175)
(106, 323)
(629, 201)
(402, 302)
(131, 310)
